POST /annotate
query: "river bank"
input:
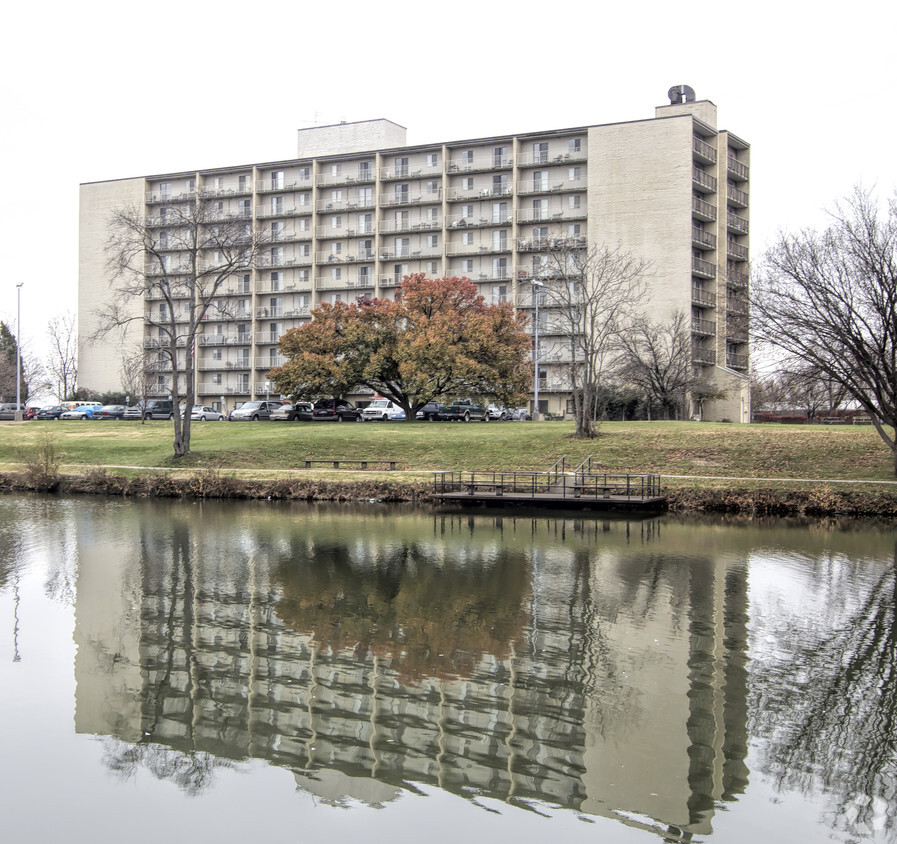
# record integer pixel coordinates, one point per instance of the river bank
(211, 483)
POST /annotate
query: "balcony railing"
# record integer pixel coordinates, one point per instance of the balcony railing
(549, 185)
(268, 362)
(736, 224)
(703, 268)
(266, 212)
(703, 298)
(539, 244)
(703, 356)
(737, 197)
(211, 192)
(702, 239)
(703, 182)
(350, 178)
(736, 169)
(537, 215)
(348, 230)
(534, 159)
(156, 197)
(704, 327)
(348, 204)
(208, 388)
(736, 251)
(455, 194)
(455, 249)
(737, 306)
(285, 184)
(736, 361)
(410, 171)
(737, 279)
(402, 225)
(703, 210)
(240, 338)
(480, 164)
(348, 257)
(703, 151)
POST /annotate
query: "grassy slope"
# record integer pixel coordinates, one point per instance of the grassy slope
(671, 448)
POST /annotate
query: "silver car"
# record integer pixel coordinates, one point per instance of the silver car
(201, 413)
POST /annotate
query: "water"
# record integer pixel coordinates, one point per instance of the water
(297, 673)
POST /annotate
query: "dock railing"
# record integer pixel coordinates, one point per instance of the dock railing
(553, 483)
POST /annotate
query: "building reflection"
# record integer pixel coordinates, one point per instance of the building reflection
(598, 667)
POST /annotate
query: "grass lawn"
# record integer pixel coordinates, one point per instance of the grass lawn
(670, 448)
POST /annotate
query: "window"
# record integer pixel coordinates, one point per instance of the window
(540, 233)
(467, 157)
(500, 184)
(403, 247)
(243, 283)
(303, 276)
(336, 273)
(432, 241)
(401, 193)
(499, 156)
(244, 183)
(365, 197)
(364, 169)
(304, 174)
(401, 220)
(432, 267)
(276, 204)
(364, 275)
(165, 190)
(304, 198)
(276, 255)
(540, 152)
(336, 297)
(304, 224)
(399, 271)
(499, 268)
(499, 212)
(540, 209)
(244, 207)
(540, 180)
(433, 186)
(303, 250)
(163, 240)
(336, 195)
(336, 169)
(573, 174)
(304, 300)
(216, 354)
(277, 180)
(575, 201)
(467, 238)
(277, 230)
(401, 167)
(500, 293)
(466, 211)
(575, 146)
(500, 240)
(573, 230)
(336, 221)
(432, 159)
(365, 223)
(276, 280)
(216, 378)
(433, 215)
(467, 183)
(365, 248)
(467, 266)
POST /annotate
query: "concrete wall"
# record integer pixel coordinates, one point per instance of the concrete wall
(99, 360)
(350, 137)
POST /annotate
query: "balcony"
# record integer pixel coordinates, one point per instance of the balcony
(324, 282)
(538, 215)
(349, 257)
(739, 307)
(702, 298)
(702, 239)
(737, 225)
(416, 197)
(355, 178)
(736, 361)
(703, 151)
(456, 194)
(703, 182)
(737, 197)
(240, 338)
(737, 279)
(541, 244)
(702, 268)
(703, 210)
(736, 251)
(703, 327)
(413, 252)
(286, 184)
(480, 164)
(701, 355)
(208, 388)
(737, 170)
(347, 204)
(408, 225)
(551, 185)
(267, 212)
(410, 171)
(269, 362)
(270, 261)
(535, 159)
(209, 365)
(162, 197)
(349, 230)
(461, 221)
(456, 249)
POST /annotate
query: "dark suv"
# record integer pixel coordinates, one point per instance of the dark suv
(159, 409)
(335, 410)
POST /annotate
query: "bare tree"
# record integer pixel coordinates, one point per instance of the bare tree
(590, 294)
(62, 364)
(656, 358)
(829, 300)
(177, 263)
(807, 389)
(140, 370)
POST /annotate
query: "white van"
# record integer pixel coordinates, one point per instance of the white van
(382, 409)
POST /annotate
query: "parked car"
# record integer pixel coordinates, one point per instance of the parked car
(53, 412)
(201, 413)
(463, 410)
(497, 412)
(8, 410)
(133, 412)
(31, 412)
(159, 409)
(110, 411)
(382, 409)
(335, 410)
(254, 411)
(300, 411)
(431, 412)
(83, 411)
(519, 414)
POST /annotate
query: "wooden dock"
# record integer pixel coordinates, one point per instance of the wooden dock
(582, 489)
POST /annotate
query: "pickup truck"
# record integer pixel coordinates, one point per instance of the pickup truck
(463, 410)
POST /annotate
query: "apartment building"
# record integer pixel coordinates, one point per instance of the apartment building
(358, 209)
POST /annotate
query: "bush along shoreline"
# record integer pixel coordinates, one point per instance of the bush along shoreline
(210, 483)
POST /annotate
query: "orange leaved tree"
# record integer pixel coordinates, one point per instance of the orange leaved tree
(437, 338)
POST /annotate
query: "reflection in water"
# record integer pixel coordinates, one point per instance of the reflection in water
(535, 661)
(616, 669)
(831, 725)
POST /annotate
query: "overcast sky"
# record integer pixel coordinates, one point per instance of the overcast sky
(103, 90)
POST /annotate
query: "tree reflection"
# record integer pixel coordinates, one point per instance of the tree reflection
(431, 620)
(834, 726)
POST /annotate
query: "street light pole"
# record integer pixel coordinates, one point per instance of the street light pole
(18, 415)
(537, 289)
